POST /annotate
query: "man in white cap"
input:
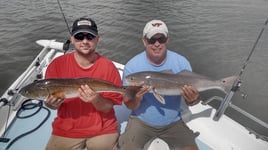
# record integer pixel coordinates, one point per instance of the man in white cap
(150, 118)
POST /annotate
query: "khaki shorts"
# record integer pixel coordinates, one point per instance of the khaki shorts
(177, 135)
(103, 142)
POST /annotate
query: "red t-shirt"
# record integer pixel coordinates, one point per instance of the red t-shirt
(78, 119)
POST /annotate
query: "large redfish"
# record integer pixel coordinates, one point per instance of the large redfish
(163, 83)
(67, 88)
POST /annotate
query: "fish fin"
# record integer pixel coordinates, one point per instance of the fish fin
(158, 96)
(227, 83)
(60, 94)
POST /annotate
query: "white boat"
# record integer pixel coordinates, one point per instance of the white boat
(26, 124)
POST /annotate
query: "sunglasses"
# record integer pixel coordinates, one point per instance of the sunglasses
(81, 36)
(161, 40)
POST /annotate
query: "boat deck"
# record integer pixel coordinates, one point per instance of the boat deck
(37, 140)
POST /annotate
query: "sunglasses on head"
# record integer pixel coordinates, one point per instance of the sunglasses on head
(81, 36)
(161, 40)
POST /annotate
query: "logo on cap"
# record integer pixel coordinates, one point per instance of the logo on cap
(84, 22)
(156, 24)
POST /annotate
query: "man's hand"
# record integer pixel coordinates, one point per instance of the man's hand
(86, 94)
(190, 94)
(53, 102)
(139, 94)
(135, 102)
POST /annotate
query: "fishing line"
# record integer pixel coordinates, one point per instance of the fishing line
(61, 10)
(252, 50)
(66, 45)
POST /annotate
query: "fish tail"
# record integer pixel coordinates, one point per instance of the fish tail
(131, 91)
(228, 82)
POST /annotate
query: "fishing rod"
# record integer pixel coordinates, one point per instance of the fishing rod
(61, 10)
(67, 43)
(236, 85)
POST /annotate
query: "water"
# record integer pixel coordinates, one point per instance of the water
(215, 35)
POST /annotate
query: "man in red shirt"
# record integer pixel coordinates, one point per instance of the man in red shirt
(88, 120)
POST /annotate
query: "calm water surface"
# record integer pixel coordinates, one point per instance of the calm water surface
(215, 35)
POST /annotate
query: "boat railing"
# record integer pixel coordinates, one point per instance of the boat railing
(34, 72)
(31, 73)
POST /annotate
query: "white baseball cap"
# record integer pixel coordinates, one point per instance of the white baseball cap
(153, 27)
